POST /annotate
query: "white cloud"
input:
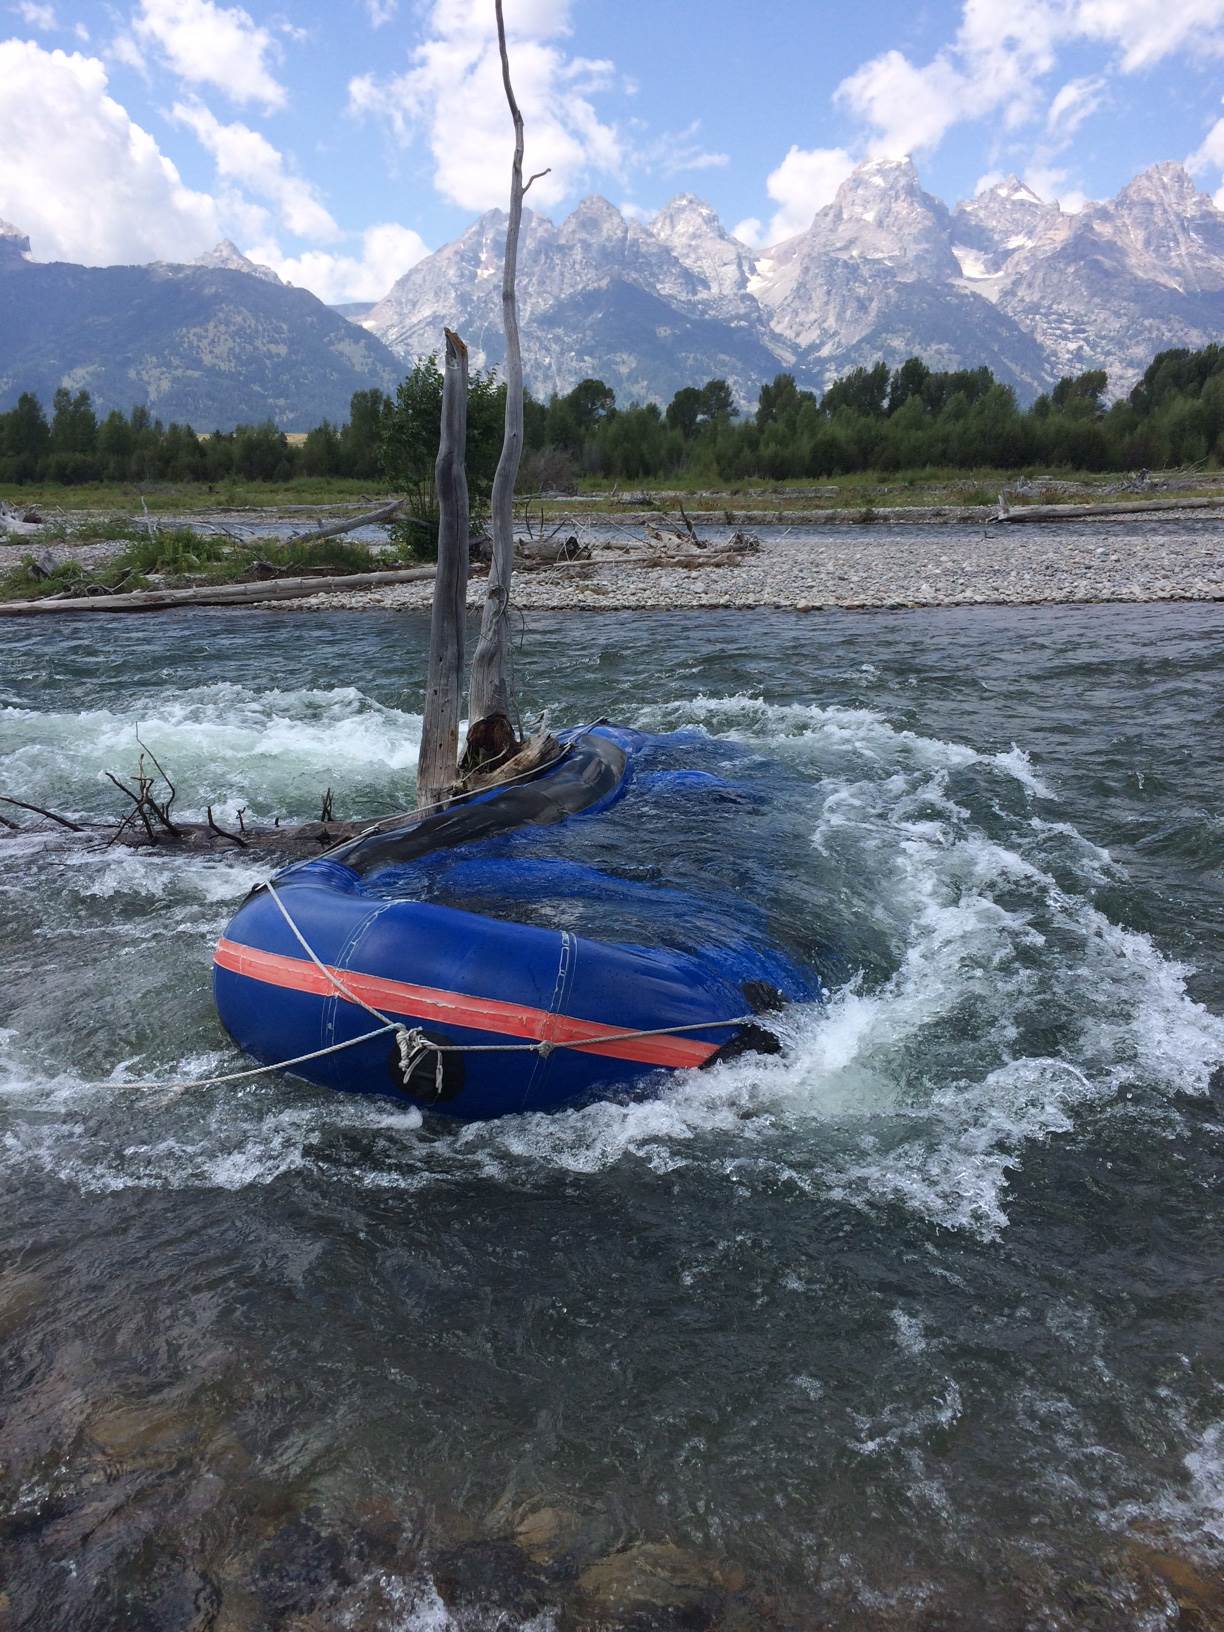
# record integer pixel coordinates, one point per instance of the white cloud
(245, 157)
(1146, 31)
(676, 151)
(1002, 51)
(453, 93)
(124, 50)
(1076, 101)
(750, 231)
(909, 108)
(380, 11)
(1052, 181)
(207, 44)
(387, 252)
(1210, 156)
(803, 183)
(34, 15)
(85, 181)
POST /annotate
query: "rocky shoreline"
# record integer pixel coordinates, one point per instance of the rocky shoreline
(857, 568)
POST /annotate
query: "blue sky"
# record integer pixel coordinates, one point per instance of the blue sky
(340, 140)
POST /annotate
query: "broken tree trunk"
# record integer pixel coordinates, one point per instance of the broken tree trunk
(438, 762)
(490, 688)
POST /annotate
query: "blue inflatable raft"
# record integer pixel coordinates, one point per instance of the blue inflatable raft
(531, 1018)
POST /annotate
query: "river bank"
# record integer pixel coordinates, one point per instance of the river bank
(643, 565)
(1178, 558)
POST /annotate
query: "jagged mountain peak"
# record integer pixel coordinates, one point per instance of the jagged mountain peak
(14, 244)
(1168, 230)
(1011, 189)
(691, 230)
(1168, 184)
(227, 257)
(595, 208)
(880, 214)
(998, 223)
(887, 195)
(870, 184)
(683, 209)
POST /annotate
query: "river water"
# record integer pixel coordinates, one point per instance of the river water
(917, 1324)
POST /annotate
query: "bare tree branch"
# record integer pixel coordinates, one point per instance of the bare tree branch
(73, 827)
(215, 827)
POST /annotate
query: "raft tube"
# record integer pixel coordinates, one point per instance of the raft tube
(470, 981)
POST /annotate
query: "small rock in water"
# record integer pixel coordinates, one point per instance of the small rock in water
(484, 1574)
(301, 1569)
(658, 1575)
(129, 1433)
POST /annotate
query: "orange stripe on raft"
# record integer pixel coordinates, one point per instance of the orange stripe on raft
(458, 1009)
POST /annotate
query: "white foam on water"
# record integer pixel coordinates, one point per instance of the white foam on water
(974, 920)
(910, 1336)
(912, 1087)
(224, 743)
(1192, 1509)
(1205, 1467)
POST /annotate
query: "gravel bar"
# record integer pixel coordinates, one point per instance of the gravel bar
(868, 567)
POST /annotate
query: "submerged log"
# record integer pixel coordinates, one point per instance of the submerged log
(289, 839)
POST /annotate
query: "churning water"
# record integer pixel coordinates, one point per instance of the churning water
(916, 1324)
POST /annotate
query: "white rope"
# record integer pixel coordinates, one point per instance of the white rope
(320, 965)
(412, 1042)
(541, 1047)
(262, 1070)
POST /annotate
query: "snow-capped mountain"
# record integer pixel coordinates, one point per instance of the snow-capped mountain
(1111, 286)
(598, 294)
(989, 229)
(724, 266)
(874, 277)
(883, 272)
(227, 257)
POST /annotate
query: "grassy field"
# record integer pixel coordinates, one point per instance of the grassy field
(872, 489)
(188, 498)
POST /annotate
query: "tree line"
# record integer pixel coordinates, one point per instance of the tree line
(873, 419)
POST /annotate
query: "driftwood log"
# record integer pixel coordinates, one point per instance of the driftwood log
(334, 529)
(163, 600)
(1087, 512)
